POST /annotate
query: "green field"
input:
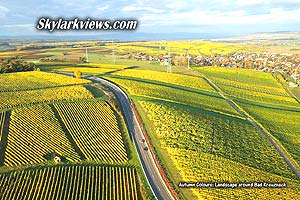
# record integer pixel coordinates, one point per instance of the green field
(248, 84)
(256, 79)
(91, 68)
(253, 87)
(259, 97)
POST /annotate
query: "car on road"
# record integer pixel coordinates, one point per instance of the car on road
(146, 148)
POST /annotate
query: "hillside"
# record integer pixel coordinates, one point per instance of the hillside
(199, 124)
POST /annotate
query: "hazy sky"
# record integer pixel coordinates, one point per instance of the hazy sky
(18, 17)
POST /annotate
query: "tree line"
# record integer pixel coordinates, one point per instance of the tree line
(8, 65)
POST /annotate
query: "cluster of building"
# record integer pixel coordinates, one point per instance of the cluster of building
(285, 63)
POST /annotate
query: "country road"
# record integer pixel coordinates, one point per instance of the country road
(158, 186)
(154, 178)
(259, 128)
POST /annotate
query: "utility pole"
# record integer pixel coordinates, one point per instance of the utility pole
(188, 57)
(212, 138)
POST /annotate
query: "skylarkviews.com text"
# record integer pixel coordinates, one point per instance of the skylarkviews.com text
(51, 25)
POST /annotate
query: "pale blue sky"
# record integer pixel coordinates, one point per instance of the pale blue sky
(18, 17)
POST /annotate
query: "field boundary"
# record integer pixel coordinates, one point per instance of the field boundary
(4, 137)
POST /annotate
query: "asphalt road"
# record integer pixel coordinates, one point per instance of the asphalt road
(158, 186)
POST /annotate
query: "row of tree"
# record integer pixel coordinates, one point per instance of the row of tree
(9, 65)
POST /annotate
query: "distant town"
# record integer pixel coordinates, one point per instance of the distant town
(287, 64)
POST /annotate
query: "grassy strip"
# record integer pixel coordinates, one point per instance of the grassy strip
(94, 90)
(4, 136)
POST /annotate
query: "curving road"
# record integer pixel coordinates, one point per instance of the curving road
(154, 178)
(158, 186)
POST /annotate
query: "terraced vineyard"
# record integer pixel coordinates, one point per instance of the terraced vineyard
(195, 99)
(34, 132)
(11, 99)
(177, 79)
(94, 127)
(238, 152)
(71, 182)
(35, 80)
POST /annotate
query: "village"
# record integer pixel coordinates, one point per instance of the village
(287, 64)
